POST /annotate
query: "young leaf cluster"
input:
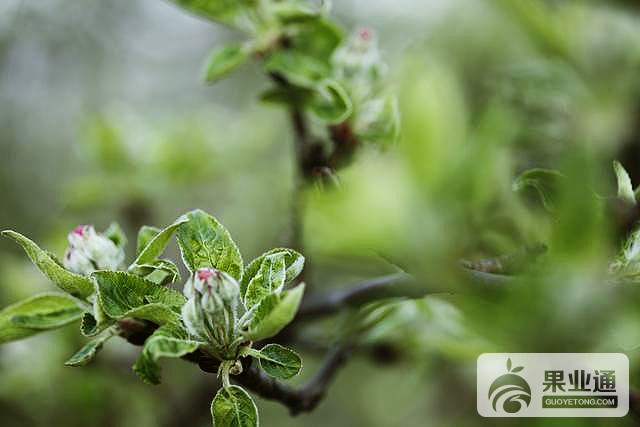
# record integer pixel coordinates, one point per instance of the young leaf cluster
(225, 307)
(315, 67)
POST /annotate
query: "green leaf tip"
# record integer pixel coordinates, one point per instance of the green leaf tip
(151, 243)
(88, 352)
(625, 188)
(273, 313)
(293, 260)
(223, 61)
(155, 241)
(72, 283)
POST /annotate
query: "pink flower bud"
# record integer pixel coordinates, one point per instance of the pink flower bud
(211, 311)
(89, 251)
(366, 34)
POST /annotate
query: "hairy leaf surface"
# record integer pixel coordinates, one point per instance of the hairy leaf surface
(170, 340)
(233, 407)
(279, 362)
(36, 314)
(204, 242)
(274, 312)
(72, 283)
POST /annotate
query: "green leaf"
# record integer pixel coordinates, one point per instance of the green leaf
(234, 13)
(269, 279)
(509, 364)
(223, 61)
(331, 102)
(170, 340)
(289, 12)
(72, 283)
(36, 314)
(273, 313)
(160, 272)
(88, 325)
(544, 181)
(89, 350)
(157, 244)
(116, 235)
(204, 242)
(233, 407)
(279, 362)
(97, 321)
(127, 295)
(317, 38)
(294, 263)
(517, 369)
(48, 319)
(158, 313)
(297, 67)
(145, 234)
(289, 95)
(625, 189)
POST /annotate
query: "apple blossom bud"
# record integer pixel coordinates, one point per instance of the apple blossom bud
(89, 251)
(211, 311)
(358, 60)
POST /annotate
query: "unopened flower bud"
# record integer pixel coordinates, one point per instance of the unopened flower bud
(211, 311)
(89, 251)
(359, 58)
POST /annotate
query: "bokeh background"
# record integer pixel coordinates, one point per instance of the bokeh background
(103, 117)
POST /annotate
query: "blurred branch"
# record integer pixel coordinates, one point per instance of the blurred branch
(301, 142)
(323, 304)
(391, 286)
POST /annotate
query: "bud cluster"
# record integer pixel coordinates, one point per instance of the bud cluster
(212, 310)
(358, 65)
(89, 251)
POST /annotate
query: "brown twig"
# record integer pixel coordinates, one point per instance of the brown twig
(301, 399)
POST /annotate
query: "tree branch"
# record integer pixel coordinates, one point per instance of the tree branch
(301, 132)
(297, 399)
(391, 286)
(301, 399)
(323, 304)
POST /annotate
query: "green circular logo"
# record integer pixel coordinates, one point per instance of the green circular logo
(510, 392)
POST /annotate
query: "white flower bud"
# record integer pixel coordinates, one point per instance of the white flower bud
(211, 311)
(358, 60)
(90, 251)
